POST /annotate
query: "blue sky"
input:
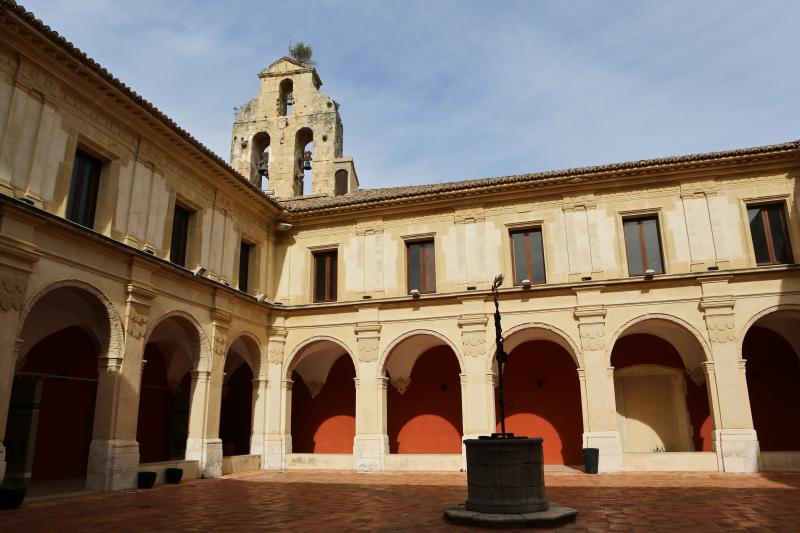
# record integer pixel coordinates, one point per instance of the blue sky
(442, 90)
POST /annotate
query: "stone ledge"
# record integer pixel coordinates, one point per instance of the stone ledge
(554, 516)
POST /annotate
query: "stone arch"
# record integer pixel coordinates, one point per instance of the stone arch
(201, 346)
(625, 328)
(112, 339)
(297, 353)
(382, 362)
(550, 333)
(662, 398)
(255, 365)
(755, 317)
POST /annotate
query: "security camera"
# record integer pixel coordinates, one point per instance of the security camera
(198, 271)
(526, 284)
(414, 293)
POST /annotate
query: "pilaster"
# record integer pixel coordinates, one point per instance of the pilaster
(735, 439)
(371, 443)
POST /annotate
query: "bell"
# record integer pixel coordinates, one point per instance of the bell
(290, 100)
(307, 164)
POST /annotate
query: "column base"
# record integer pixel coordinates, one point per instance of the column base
(113, 465)
(610, 446)
(275, 449)
(369, 451)
(208, 454)
(737, 450)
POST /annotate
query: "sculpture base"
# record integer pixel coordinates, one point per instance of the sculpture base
(554, 516)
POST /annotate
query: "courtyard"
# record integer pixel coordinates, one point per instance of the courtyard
(347, 501)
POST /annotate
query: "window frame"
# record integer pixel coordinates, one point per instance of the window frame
(639, 216)
(522, 229)
(86, 215)
(247, 265)
(768, 202)
(420, 241)
(331, 280)
(187, 233)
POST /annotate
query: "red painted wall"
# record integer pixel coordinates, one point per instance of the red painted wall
(773, 382)
(66, 415)
(327, 423)
(543, 399)
(236, 414)
(643, 349)
(427, 418)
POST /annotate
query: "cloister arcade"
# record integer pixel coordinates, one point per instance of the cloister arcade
(191, 402)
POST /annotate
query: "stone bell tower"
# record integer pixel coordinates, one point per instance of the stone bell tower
(290, 134)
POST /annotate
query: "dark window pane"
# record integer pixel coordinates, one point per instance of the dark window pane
(340, 186)
(414, 266)
(520, 259)
(777, 227)
(429, 265)
(244, 265)
(82, 199)
(759, 234)
(652, 245)
(633, 247)
(180, 235)
(537, 256)
(325, 277)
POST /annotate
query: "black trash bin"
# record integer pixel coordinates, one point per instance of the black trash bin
(173, 475)
(591, 457)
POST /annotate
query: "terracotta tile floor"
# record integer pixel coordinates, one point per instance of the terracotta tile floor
(348, 501)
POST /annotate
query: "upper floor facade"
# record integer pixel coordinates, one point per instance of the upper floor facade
(79, 144)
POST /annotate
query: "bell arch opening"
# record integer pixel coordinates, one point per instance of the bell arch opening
(304, 157)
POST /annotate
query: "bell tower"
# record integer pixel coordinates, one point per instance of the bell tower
(288, 138)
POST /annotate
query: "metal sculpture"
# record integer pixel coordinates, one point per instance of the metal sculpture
(501, 356)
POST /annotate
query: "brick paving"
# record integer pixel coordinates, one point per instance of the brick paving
(349, 501)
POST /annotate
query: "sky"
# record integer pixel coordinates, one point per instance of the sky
(445, 90)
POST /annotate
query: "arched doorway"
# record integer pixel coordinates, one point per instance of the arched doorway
(323, 418)
(52, 408)
(423, 400)
(543, 396)
(660, 389)
(770, 347)
(171, 352)
(236, 412)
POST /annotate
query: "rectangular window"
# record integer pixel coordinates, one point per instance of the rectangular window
(180, 235)
(528, 255)
(421, 265)
(643, 245)
(770, 236)
(325, 276)
(244, 265)
(82, 199)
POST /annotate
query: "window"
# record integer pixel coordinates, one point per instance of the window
(340, 186)
(643, 245)
(528, 255)
(180, 235)
(770, 237)
(325, 276)
(244, 265)
(82, 199)
(421, 265)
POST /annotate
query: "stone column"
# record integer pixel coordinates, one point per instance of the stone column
(371, 442)
(276, 404)
(206, 451)
(114, 452)
(16, 264)
(477, 393)
(258, 434)
(600, 416)
(735, 439)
